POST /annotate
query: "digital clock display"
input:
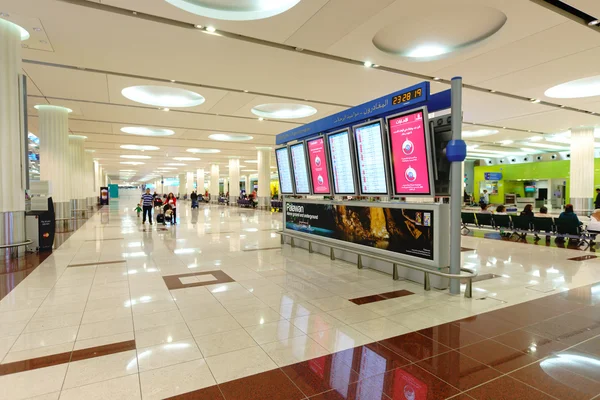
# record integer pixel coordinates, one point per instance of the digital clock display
(407, 96)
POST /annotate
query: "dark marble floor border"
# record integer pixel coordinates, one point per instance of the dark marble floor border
(380, 297)
(173, 282)
(97, 263)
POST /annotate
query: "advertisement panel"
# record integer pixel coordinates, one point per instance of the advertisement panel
(300, 167)
(104, 196)
(372, 173)
(401, 230)
(342, 165)
(409, 154)
(319, 169)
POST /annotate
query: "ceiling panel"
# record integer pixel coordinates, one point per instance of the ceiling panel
(552, 121)
(591, 7)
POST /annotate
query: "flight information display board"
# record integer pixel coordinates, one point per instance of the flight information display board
(369, 144)
(409, 149)
(285, 171)
(300, 168)
(319, 168)
(342, 165)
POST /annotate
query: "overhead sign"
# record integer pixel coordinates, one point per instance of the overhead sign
(416, 94)
(492, 176)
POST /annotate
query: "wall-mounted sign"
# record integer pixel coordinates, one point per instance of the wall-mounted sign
(492, 176)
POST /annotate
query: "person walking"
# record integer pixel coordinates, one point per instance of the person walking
(597, 201)
(172, 201)
(147, 203)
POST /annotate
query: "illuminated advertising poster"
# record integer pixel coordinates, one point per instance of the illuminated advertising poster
(341, 163)
(404, 231)
(318, 166)
(300, 169)
(285, 173)
(408, 153)
(371, 159)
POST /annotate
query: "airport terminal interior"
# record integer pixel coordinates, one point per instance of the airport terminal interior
(300, 199)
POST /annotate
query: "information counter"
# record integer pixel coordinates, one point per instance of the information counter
(416, 234)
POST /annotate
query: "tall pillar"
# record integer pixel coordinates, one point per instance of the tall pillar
(55, 160)
(181, 185)
(12, 185)
(582, 170)
(189, 183)
(89, 179)
(77, 174)
(234, 180)
(214, 183)
(97, 181)
(200, 181)
(264, 177)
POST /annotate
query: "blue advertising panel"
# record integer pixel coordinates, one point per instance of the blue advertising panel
(492, 176)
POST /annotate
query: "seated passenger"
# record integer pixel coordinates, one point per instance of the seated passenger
(527, 211)
(569, 213)
(484, 209)
(501, 210)
(593, 226)
(543, 213)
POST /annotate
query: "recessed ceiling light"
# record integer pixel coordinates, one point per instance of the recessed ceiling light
(368, 64)
(166, 169)
(186, 158)
(146, 131)
(585, 87)
(230, 137)
(139, 147)
(535, 100)
(536, 138)
(283, 111)
(505, 142)
(479, 133)
(436, 78)
(235, 10)
(136, 157)
(203, 151)
(492, 91)
(251, 161)
(165, 109)
(427, 51)
(261, 119)
(132, 163)
(163, 96)
(51, 107)
(594, 22)
(198, 26)
(210, 29)
(176, 164)
(245, 91)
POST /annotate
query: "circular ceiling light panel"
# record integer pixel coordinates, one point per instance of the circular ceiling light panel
(144, 131)
(203, 151)
(139, 147)
(186, 158)
(230, 137)
(132, 163)
(585, 87)
(136, 157)
(51, 107)
(284, 111)
(163, 96)
(235, 10)
(437, 37)
(479, 133)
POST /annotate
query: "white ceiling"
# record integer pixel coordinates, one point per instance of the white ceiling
(96, 53)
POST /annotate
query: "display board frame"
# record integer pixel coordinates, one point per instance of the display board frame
(352, 161)
(428, 153)
(386, 167)
(290, 168)
(306, 167)
(327, 161)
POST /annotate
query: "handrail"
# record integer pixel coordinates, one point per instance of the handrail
(7, 246)
(470, 274)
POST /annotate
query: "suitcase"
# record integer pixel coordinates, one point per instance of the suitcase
(160, 218)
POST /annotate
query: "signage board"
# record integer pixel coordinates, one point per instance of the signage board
(343, 172)
(492, 176)
(370, 154)
(104, 196)
(319, 165)
(410, 155)
(300, 168)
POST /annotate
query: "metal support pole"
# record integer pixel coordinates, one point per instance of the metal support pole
(427, 282)
(469, 289)
(395, 272)
(282, 239)
(332, 254)
(310, 249)
(359, 262)
(292, 242)
(456, 189)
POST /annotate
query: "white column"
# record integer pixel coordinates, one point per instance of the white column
(234, 180)
(12, 186)
(264, 177)
(189, 183)
(55, 157)
(76, 174)
(89, 179)
(200, 182)
(214, 183)
(581, 189)
(181, 185)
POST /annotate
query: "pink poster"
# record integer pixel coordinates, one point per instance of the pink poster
(409, 154)
(318, 166)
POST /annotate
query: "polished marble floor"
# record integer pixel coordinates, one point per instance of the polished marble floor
(214, 308)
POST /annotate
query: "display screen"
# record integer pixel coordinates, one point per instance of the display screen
(341, 163)
(300, 169)
(318, 166)
(407, 96)
(371, 159)
(409, 155)
(285, 173)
